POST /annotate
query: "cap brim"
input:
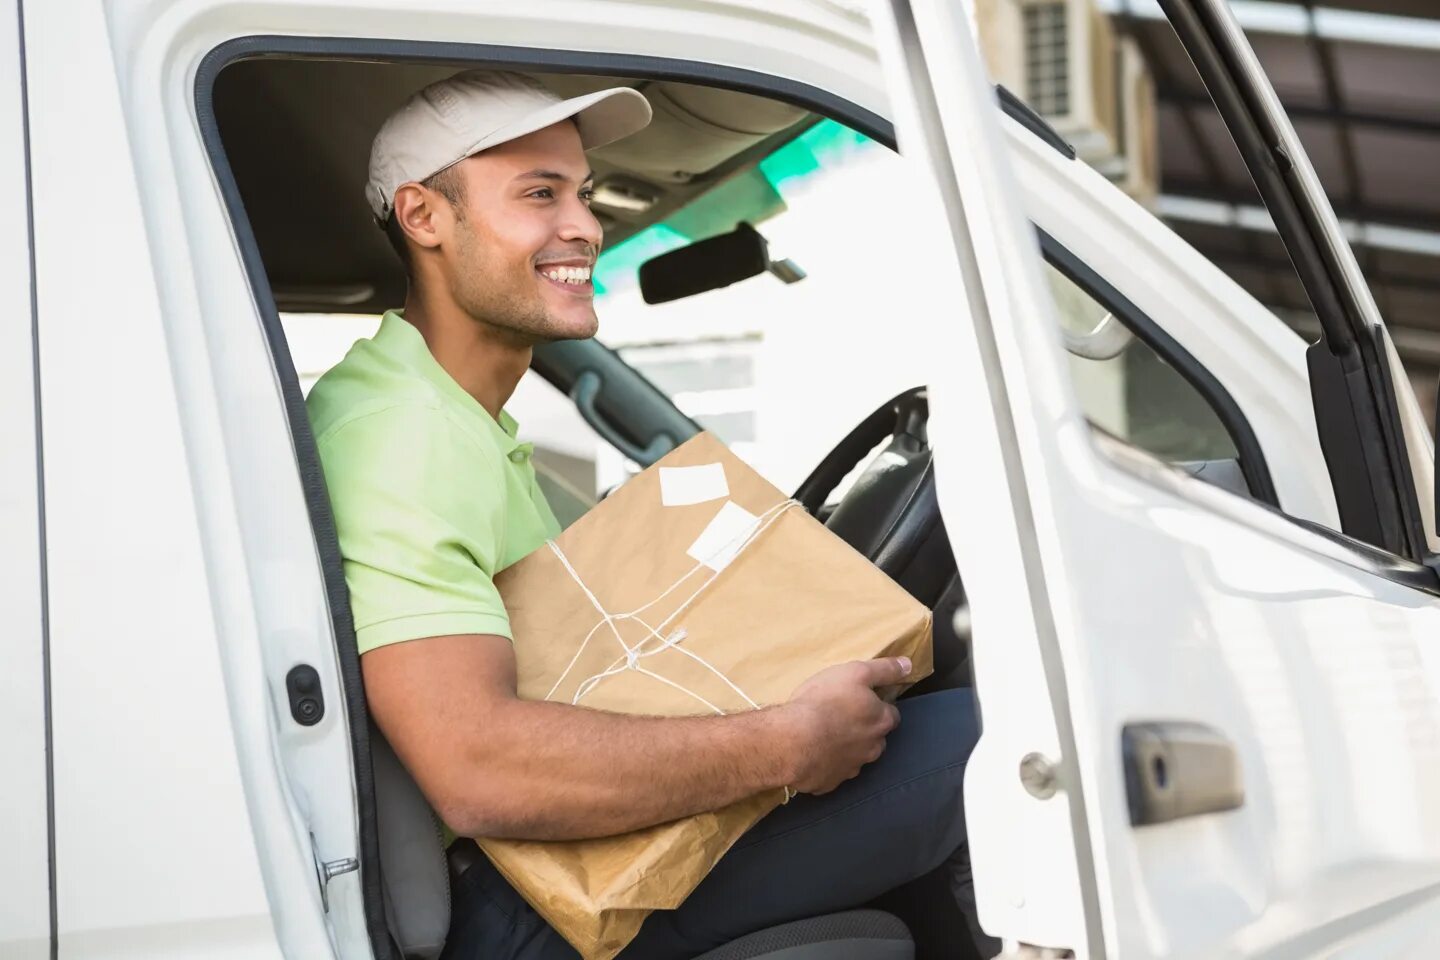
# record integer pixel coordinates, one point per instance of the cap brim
(603, 117)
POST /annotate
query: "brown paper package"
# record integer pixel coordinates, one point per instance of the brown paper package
(794, 600)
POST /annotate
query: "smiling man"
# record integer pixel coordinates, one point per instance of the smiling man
(482, 184)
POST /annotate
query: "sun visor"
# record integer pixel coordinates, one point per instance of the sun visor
(696, 129)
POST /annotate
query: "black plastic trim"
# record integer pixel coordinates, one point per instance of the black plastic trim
(856, 117)
(1390, 410)
(1383, 563)
(541, 60)
(1362, 452)
(317, 501)
(42, 533)
(623, 391)
(1025, 115)
(1252, 456)
(1176, 769)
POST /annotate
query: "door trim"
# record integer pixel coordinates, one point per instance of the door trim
(39, 436)
(487, 55)
(1154, 336)
(1364, 452)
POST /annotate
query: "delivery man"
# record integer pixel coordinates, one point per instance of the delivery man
(482, 185)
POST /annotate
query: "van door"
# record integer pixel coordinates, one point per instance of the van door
(1353, 367)
(25, 877)
(1208, 729)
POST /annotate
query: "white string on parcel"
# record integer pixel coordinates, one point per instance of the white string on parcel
(630, 660)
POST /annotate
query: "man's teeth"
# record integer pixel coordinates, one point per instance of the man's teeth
(569, 274)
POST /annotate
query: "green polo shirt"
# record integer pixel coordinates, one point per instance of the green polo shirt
(432, 497)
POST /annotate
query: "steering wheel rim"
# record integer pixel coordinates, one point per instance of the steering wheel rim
(892, 513)
(860, 441)
(892, 516)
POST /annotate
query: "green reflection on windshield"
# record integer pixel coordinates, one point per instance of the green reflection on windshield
(747, 197)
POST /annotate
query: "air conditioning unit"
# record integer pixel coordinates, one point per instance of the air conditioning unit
(1070, 72)
(1064, 59)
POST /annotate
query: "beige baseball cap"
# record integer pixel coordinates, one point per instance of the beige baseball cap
(458, 117)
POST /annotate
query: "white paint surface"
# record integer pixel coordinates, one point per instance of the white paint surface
(24, 831)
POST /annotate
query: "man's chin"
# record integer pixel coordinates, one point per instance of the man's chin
(574, 327)
(556, 329)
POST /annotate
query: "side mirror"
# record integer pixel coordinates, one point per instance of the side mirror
(711, 264)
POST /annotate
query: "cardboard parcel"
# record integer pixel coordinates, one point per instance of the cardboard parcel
(696, 588)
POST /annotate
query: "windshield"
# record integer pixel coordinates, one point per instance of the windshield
(781, 371)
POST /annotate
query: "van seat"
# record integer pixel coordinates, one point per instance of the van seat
(416, 885)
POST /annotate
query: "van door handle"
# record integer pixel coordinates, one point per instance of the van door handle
(1176, 769)
(584, 392)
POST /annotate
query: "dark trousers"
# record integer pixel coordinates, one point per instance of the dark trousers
(899, 819)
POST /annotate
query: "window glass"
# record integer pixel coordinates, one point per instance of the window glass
(782, 371)
(779, 371)
(1128, 390)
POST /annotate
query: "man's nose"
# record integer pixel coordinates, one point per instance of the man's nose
(580, 223)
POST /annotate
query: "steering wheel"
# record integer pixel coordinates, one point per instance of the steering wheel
(892, 516)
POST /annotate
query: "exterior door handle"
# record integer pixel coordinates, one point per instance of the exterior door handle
(1177, 769)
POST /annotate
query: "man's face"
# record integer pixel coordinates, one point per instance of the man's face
(525, 241)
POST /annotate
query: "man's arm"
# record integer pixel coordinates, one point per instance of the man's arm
(494, 765)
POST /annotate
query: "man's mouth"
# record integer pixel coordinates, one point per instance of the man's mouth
(574, 277)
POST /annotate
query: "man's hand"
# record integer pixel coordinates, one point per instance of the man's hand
(493, 765)
(841, 722)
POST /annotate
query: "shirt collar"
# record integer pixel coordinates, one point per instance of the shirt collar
(398, 337)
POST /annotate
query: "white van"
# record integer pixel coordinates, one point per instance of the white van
(1205, 650)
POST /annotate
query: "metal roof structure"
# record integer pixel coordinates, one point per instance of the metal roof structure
(1361, 82)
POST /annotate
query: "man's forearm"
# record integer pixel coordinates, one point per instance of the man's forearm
(549, 771)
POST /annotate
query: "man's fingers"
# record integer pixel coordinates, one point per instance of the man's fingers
(886, 671)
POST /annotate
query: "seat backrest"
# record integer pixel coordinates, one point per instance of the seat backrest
(416, 879)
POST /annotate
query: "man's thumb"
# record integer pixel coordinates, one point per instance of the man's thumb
(887, 671)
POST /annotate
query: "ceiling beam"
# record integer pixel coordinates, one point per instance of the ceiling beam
(1331, 113)
(1246, 196)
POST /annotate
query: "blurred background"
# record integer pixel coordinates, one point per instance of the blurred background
(1360, 80)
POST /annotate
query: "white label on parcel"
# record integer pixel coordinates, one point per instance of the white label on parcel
(723, 536)
(682, 486)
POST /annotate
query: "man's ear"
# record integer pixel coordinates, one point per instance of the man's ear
(423, 215)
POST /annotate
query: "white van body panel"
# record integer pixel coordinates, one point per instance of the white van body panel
(1260, 361)
(155, 852)
(949, 132)
(1305, 653)
(184, 580)
(24, 795)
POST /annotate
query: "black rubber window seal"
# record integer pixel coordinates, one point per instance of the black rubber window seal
(1251, 455)
(52, 865)
(1364, 452)
(312, 478)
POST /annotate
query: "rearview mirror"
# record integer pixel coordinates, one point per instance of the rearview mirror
(711, 264)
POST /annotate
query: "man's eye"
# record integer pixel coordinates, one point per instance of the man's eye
(544, 193)
(587, 195)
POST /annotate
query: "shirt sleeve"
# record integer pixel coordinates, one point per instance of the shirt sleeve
(420, 513)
